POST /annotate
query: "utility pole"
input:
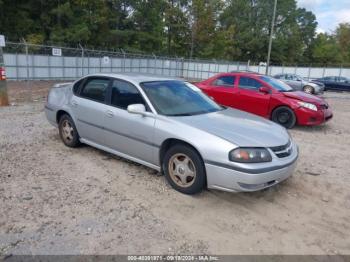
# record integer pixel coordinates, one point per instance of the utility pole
(271, 36)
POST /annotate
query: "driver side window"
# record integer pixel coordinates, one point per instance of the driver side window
(249, 83)
(125, 94)
(289, 77)
(295, 78)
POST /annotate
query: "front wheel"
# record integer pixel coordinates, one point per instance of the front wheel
(309, 89)
(184, 169)
(284, 116)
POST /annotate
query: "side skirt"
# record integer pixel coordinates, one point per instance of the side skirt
(114, 152)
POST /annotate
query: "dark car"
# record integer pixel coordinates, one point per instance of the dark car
(335, 83)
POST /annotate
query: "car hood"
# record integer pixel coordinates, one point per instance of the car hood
(240, 128)
(317, 83)
(302, 96)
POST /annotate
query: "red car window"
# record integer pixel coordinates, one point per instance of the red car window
(249, 83)
(227, 81)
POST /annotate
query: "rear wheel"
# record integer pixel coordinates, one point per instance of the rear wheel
(184, 169)
(309, 89)
(68, 131)
(284, 116)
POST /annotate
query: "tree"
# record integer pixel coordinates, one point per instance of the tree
(342, 35)
(211, 29)
(148, 21)
(325, 50)
(294, 27)
(204, 16)
(177, 27)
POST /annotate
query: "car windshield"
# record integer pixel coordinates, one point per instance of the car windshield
(277, 84)
(177, 98)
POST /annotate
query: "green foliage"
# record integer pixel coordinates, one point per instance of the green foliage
(342, 35)
(326, 50)
(177, 27)
(211, 29)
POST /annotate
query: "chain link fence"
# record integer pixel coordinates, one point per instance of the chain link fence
(26, 61)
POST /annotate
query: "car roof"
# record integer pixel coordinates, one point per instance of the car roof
(135, 77)
(335, 76)
(244, 73)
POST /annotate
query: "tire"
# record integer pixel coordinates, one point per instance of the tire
(284, 116)
(68, 132)
(184, 169)
(309, 89)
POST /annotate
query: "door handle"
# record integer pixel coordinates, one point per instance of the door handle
(74, 103)
(109, 113)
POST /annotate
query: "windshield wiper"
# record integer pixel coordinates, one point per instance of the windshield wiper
(198, 113)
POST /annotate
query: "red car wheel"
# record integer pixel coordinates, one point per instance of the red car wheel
(284, 116)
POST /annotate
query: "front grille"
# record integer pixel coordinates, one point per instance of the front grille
(283, 151)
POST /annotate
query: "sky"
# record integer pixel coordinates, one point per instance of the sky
(329, 13)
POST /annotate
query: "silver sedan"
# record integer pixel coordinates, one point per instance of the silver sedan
(171, 126)
(300, 83)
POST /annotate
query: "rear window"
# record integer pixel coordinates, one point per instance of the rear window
(95, 89)
(226, 81)
(77, 86)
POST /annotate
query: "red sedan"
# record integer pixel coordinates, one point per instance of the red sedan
(267, 97)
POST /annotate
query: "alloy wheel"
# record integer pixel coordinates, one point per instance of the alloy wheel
(283, 117)
(308, 89)
(182, 170)
(67, 131)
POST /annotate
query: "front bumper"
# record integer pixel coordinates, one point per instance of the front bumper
(308, 117)
(319, 90)
(222, 177)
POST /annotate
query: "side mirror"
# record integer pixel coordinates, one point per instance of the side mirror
(138, 109)
(264, 90)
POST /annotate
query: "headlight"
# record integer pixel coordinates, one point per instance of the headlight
(308, 105)
(250, 155)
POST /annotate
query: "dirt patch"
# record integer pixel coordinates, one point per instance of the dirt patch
(57, 200)
(25, 91)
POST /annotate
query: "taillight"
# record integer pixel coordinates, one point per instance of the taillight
(2, 73)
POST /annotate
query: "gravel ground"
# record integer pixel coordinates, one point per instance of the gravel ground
(57, 200)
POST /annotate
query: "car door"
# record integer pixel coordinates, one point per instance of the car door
(297, 82)
(250, 98)
(223, 91)
(291, 80)
(127, 133)
(329, 82)
(286, 78)
(89, 107)
(343, 84)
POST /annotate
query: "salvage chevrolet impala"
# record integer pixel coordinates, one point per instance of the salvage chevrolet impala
(171, 126)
